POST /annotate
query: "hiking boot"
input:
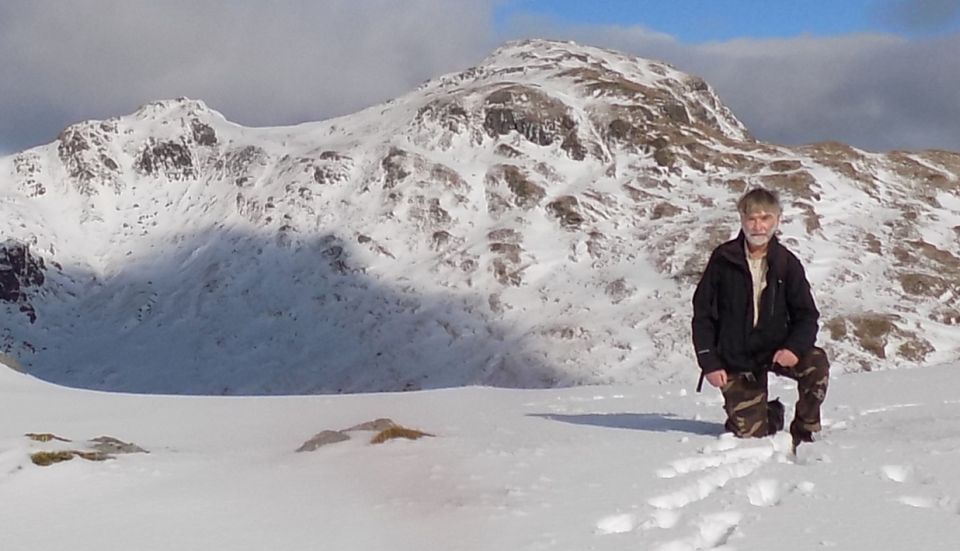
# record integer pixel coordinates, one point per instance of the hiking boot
(775, 412)
(799, 434)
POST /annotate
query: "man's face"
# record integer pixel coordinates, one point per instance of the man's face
(759, 226)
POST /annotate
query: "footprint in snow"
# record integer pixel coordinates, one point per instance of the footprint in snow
(765, 493)
(617, 524)
(717, 465)
(944, 504)
(896, 473)
(713, 531)
(902, 474)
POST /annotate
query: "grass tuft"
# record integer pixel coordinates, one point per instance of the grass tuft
(398, 432)
(44, 437)
(45, 459)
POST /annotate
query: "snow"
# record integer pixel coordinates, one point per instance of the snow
(600, 467)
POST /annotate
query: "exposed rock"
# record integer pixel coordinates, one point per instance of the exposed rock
(618, 290)
(29, 173)
(112, 446)
(102, 449)
(203, 134)
(166, 158)
(323, 438)
(536, 116)
(243, 165)
(20, 271)
(82, 150)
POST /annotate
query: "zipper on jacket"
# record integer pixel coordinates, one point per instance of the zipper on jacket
(773, 301)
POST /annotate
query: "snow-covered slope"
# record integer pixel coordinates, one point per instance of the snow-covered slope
(607, 468)
(537, 220)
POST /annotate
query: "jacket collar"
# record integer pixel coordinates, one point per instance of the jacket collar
(734, 250)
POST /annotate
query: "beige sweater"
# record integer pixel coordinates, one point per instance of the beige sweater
(758, 271)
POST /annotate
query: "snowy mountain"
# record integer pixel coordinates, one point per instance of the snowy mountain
(537, 220)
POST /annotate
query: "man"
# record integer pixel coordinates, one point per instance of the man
(753, 313)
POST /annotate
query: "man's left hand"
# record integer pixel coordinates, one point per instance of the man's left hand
(785, 358)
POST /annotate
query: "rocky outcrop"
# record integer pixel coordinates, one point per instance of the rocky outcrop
(384, 430)
(59, 449)
(20, 273)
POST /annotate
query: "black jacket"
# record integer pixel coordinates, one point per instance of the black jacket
(723, 333)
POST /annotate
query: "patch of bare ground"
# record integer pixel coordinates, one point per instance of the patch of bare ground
(662, 105)
(842, 159)
(506, 265)
(872, 243)
(873, 331)
(799, 184)
(811, 219)
(738, 185)
(785, 165)
(664, 209)
(394, 433)
(946, 315)
(735, 162)
(928, 180)
(924, 285)
(715, 234)
(931, 271)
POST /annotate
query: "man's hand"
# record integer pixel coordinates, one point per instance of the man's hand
(785, 358)
(717, 378)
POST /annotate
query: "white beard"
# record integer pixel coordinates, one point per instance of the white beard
(760, 240)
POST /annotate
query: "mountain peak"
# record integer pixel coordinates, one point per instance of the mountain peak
(632, 90)
(177, 108)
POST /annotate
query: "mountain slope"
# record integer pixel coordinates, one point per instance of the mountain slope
(537, 220)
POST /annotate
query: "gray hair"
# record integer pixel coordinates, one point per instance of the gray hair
(759, 199)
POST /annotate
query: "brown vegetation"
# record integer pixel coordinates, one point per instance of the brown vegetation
(393, 433)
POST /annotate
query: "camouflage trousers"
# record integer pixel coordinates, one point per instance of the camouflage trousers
(745, 398)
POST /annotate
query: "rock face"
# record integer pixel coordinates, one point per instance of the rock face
(20, 273)
(537, 220)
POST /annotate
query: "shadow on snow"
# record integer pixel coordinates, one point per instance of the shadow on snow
(221, 312)
(653, 422)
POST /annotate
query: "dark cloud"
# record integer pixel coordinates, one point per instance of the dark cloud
(260, 63)
(918, 15)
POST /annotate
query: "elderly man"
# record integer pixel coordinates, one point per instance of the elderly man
(753, 313)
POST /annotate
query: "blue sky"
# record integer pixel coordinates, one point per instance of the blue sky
(877, 74)
(697, 21)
